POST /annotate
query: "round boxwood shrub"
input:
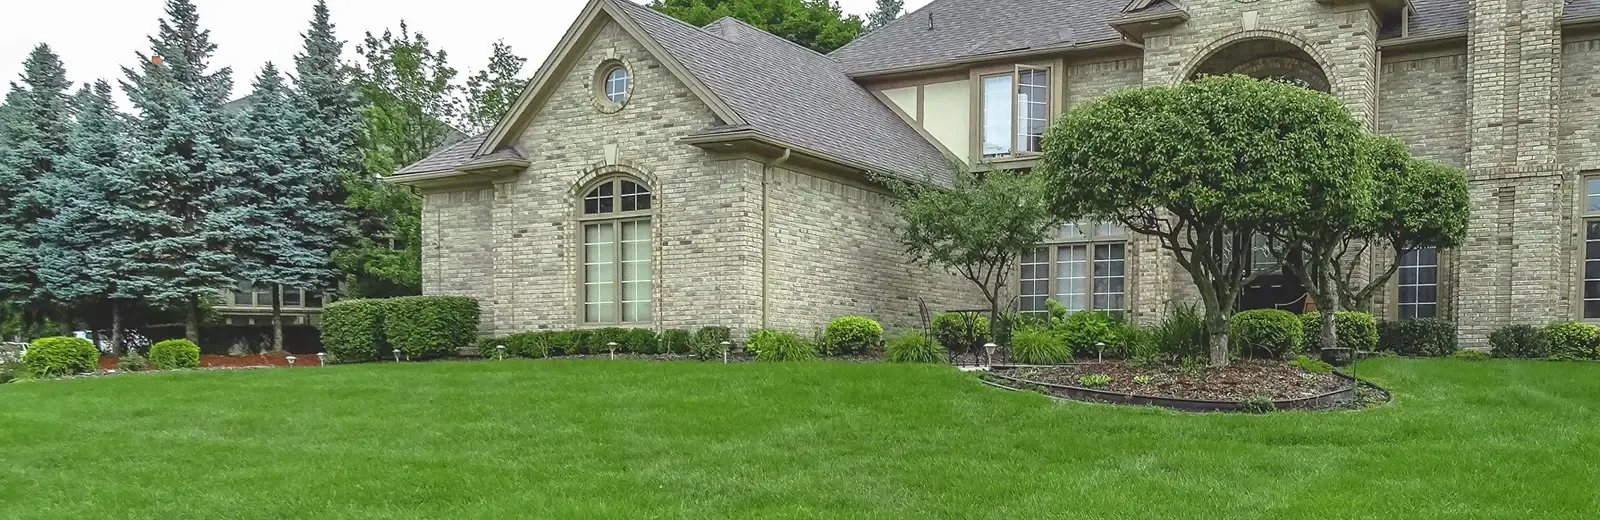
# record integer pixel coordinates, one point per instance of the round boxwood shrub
(352, 330)
(1357, 331)
(425, 327)
(1519, 341)
(961, 332)
(913, 347)
(1419, 337)
(175, 353)
(1088, 331)
(1572, 340)
(1035, 346)
(852, 335)
(774, 345)
(61, 356)
(1266, 333)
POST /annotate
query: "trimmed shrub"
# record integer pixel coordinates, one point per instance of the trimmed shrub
(1571, 340)
(1266, 333)
(61, 356)
(852, 335)
(1519, 341)
(773, 345)
(596, 341)
(676, 341)
(708, 341)
(1034, 346)
(426, 327)
(1087, 331)
(1357, 331)
(1420, 337)
(133, 362)
(913, 347)
(961, 332)
(352, 330)
(642, 341)
(175, 353)
(528, 344)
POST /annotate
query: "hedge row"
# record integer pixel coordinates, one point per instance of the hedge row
(421, 327)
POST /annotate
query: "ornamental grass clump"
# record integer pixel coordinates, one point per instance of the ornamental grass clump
(1035, 346)
(914, 347)
(775, 345)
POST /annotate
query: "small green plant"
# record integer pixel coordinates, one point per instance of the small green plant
(1471, 355)
(1094, 380)
(774, 345)
(132, 362)
(961, 332)
(1572, 340)
(174, 354)
(1258, 404)
(852, 335)
(61, 356)
(708, 342)
(1144, 379)
(676, 341)
(1034, 346)
(1087, 331)
(11, 370)
(913, 347)
(1181, 335)
(1312, 365)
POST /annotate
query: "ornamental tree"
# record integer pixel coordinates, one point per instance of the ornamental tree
(1202, 167)
(976, 227)
(1418, 204)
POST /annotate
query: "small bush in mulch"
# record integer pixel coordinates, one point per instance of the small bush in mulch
(1235, 382)
(60, 356)
(914, 347)
(774, 345)
(175, 353)
(1034, 346)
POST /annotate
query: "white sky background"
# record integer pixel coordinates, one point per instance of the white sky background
(96, 38)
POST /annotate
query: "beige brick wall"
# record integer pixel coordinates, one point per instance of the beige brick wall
(833, 252)
(457, 257)
(1423, 101)
(1091, 78)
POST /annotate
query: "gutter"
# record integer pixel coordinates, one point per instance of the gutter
(766, 235)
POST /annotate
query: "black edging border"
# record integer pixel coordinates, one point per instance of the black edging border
(1325, 401)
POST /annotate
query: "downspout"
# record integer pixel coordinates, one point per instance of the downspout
(766, 234)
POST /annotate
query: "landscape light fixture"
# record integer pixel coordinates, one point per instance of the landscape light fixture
(291, 359)
(1100, 350)
(725, 347)
(500, 350)
(322, 359)
(396, 355)
(989, 348)
(613, 347)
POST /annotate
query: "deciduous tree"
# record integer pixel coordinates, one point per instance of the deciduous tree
(820, 25)
(492, 91)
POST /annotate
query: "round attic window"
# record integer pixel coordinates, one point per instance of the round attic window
(613, 85)
(617, 82)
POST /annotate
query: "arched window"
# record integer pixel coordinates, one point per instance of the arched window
(615, 251)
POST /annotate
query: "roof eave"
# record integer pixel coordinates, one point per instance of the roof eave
(969, 60)
(723, 141)
(1136, 26)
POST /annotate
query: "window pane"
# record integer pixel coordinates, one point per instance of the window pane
(243, 294)
(634, 197)
(1591, 264)
(1033, 107)
(1035, 288)
(599, 273)
(1109, 280)
(1418, 288)
(263, 296)
(1071, 277)
(313, 299)
(291, 297)
(636, 276)
(617, 85)
(997, 115)
(1592, 190)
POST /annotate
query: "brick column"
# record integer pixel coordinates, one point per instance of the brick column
(1514, 265)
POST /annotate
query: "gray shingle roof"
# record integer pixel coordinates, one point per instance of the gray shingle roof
(973, 28)
(447, 158)
(1577, 8)
(794, 94)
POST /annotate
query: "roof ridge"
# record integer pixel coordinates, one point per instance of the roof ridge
(786, 41)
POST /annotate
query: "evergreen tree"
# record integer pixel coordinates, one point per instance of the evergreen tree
(330, 106)
(182, 153)
(492, 91)
(887, 11)
(85, 251)
(35, 128)
(282, 227)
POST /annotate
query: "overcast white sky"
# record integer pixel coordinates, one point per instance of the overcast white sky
(95, 38)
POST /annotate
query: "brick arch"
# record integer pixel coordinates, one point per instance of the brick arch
(581, 184)
(1287, 36)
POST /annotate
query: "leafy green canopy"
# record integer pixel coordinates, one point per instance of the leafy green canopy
(1201, 167)
(819, 25)
(492, 91)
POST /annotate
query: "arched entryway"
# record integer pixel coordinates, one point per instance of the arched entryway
(1278, 60)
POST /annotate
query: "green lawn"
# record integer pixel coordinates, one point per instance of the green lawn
(599, 439)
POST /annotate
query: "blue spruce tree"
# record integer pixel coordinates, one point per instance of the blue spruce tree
(85, 250)
(183, 153)
(35, 132)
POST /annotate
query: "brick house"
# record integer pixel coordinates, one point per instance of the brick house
(663, 175)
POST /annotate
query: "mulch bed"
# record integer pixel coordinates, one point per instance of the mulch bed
(1236, 382)
(220, 361)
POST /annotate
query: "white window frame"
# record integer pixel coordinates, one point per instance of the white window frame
(620, 93)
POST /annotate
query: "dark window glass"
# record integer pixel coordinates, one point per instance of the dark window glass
(291, 297)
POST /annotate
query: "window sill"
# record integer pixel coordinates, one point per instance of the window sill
(1007, 162)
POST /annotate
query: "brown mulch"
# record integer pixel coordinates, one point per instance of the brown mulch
(1236, 382)
(220, 361)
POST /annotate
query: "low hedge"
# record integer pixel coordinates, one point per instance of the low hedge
(427, 327)
(676, 341)
(1572, 340)
(228, 339)
(852, 335)
(913, 347)
(1266, 333)
(61, 356)
(1357, 331)
(774, 345)
(1519, 341)
(1419, 337)
(352, 330)
(174, 354)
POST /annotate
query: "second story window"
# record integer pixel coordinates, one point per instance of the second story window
(1015, 111)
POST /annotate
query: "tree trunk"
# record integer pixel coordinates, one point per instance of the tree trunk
(1217, 332)
(191, 321)
(1330, 333)
(277, 318)
(117, 340)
